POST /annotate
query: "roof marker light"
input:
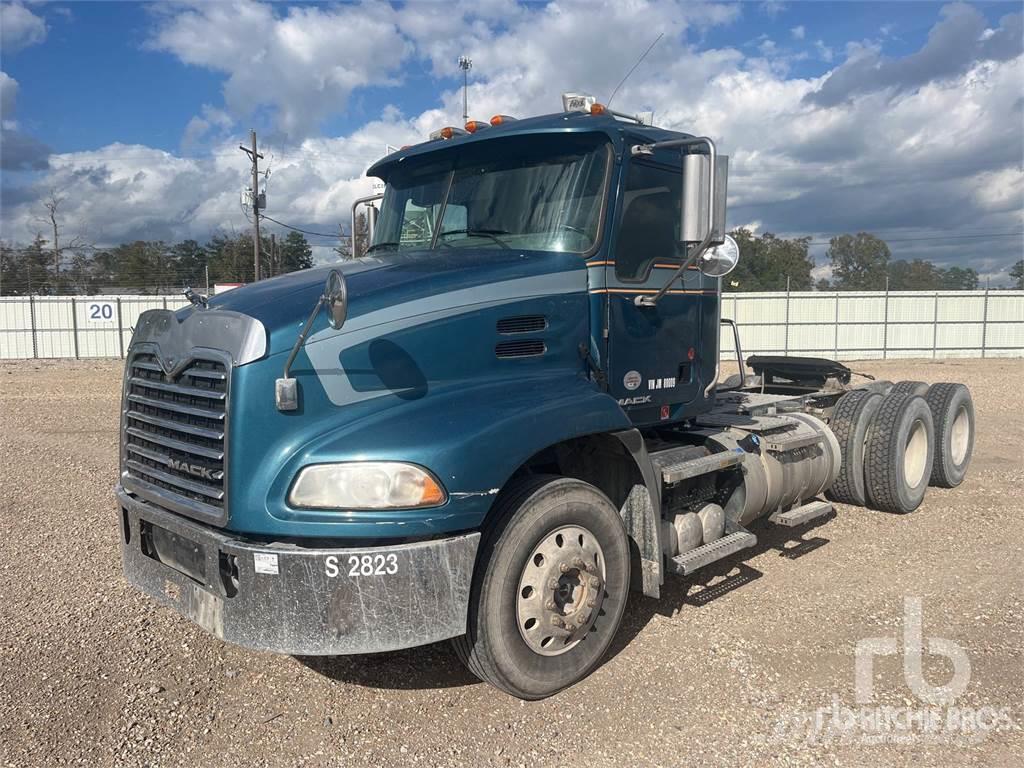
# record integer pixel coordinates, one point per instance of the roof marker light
(447, 132)
(475, 125)
(597, 109)
(501, 119)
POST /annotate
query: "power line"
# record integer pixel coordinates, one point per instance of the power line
(335, 236)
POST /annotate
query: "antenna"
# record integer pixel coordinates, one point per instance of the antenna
(638, 61)
(465, 64)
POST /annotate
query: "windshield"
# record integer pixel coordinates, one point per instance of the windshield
(531, 193)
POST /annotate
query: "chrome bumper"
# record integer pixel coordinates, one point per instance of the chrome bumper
(291, 599)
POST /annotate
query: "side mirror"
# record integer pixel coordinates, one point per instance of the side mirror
(336, 298)
(720, 260)
(703, 205)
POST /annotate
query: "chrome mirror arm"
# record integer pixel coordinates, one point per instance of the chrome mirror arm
(695, 253)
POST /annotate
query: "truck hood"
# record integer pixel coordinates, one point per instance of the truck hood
(407, 284)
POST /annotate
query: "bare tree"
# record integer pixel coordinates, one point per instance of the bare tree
(52, 204)
(344, 246)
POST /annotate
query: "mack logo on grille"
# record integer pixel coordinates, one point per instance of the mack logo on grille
(198, 470)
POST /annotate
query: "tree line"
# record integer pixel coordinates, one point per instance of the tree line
(860, 262)
(146, 266)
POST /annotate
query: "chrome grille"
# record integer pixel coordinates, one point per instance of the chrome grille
(174, 441)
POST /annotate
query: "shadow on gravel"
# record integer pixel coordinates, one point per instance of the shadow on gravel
(436, 666)
(718, 579)
(431, 666)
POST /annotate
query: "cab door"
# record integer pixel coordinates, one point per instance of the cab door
(659, 358)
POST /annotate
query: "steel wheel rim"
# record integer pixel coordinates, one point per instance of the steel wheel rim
(561, 590)
(960, 436)
(915, 455)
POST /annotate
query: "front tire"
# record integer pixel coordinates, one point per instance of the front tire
(549, 590)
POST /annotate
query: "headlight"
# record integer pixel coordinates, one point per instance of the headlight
(366, 485)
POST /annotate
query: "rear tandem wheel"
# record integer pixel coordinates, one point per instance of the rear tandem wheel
(899, 453)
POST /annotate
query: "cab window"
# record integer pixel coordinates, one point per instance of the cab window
(649, 227)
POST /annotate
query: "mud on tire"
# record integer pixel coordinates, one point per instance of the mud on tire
(851, 423)
(899, 454)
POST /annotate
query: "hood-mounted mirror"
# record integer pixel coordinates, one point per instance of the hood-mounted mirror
(335, 298)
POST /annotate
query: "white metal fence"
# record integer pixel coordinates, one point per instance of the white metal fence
(840, 325)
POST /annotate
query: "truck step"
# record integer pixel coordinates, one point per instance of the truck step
(812, 510)
(688, 562)
(790, 442)
(744, 421)
(675, 466)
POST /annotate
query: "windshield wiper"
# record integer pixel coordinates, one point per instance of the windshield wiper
(381, 245)
(481, 232)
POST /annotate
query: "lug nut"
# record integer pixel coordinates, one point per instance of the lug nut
(563, 567)
(591, 603)
(556, 621)
(552, 583)
(550, 605)
(570, 627)
(579, 562)
(595, 582)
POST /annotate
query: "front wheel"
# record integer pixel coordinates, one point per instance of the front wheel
(549, 590)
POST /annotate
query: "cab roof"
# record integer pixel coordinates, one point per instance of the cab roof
(618, 131)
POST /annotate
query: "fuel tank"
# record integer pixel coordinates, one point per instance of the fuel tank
(782, 468)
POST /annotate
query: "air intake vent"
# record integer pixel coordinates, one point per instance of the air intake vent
(522, 324)
(520, 348)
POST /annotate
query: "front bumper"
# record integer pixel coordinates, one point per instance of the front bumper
(296, 600)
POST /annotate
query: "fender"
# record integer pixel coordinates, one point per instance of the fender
(472, 438)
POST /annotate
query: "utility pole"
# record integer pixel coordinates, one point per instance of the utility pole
(255, 157)
(273, 254)
(465, 64)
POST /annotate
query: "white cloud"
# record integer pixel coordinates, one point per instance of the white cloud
(18, 151)
(8, 95)
(798, 33)
(304, 62)
(19, 28)
(941, 156)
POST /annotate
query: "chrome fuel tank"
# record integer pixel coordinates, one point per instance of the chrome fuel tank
(796, 460)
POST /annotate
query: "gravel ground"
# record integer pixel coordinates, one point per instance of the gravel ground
(94, 673)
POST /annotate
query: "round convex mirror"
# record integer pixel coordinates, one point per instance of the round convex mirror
(336, 293)
(720, 260)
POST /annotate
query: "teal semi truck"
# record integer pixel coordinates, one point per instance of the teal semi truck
(501, 419)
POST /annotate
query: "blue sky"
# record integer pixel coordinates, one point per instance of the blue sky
(96, 93)
(96, 67)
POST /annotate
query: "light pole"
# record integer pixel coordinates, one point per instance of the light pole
(465, 64)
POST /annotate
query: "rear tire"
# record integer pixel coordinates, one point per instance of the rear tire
(556, 542)
(909, 388)
(953, 412)
(899, 455)
(851, 423)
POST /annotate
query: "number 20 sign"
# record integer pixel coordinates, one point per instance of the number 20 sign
(100, 312)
